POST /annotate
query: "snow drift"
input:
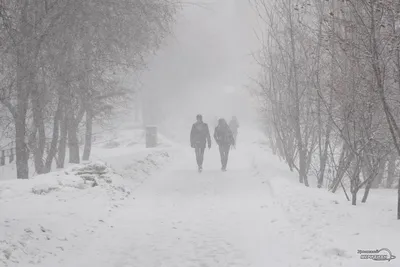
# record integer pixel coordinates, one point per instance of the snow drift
(43, 216)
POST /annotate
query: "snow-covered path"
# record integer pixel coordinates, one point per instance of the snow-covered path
(183, 218)
(256, 214)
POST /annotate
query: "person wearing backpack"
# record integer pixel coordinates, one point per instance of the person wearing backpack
(199, 136)
(224, 138)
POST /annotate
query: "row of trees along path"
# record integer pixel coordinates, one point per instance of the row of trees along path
(330, 89)
(61, 64)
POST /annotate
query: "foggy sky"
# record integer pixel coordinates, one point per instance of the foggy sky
(209, 54)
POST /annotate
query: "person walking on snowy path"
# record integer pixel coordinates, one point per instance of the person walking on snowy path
(224, 138)
(234, 125)
(199, 136)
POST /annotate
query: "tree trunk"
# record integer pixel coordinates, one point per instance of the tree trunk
(88, 134)
(344, 164)
(324, 156)
(73, 143)
(21, 152)
(339, 168)
(367, 189)
(323, 150)
(56, 132)
(63, 140)
(376, 182)
(300, 146)
(391, 170)
(355, 181)
(272, 144)
(322, 166)
(40, 145)
(73, 124)
(344, 191)
(26, 54)
(21, 149)
(302, 170)
(354, 198)
(398, 200)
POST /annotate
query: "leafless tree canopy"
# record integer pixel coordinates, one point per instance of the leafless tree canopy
(59, 64)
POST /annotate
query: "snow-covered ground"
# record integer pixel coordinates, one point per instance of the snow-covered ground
(155, 214)
(45, 216)
(333, 229)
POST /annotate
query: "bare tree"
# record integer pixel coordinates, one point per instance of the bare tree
(335, 63)
(59, 57)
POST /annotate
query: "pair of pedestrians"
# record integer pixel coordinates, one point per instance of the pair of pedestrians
(200, 137)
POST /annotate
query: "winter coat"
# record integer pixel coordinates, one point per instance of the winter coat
(200, 135)
(223, 135)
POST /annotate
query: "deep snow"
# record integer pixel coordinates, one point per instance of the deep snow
(255, 214)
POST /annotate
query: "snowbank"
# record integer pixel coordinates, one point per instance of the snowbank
(39, 216)
(43, 216)
(109, 143)
(125, 151)
(335, 229)
(139, 166)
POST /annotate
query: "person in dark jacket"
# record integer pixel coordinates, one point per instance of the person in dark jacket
(199, 136)
(224, 138)
(234, 125)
